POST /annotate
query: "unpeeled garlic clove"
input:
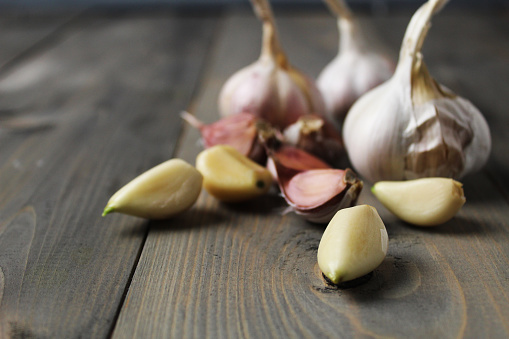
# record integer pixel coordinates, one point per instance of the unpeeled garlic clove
(270, 88)
(360, 65)
(318, 194)
(160, 193)
(291, 159)
(410, 126)
(423, 202)
(230, 176)
(354, 243)
(239, 131)
(316, 135)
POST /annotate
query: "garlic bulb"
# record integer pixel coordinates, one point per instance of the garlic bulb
(359, 66)
(270, 88)
(412, 127)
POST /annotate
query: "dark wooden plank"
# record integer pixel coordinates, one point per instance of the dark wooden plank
(86, 116)
(22, 32)
(247, 271)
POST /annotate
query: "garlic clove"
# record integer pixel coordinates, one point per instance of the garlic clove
(354, 243)
(410, 126)
(318, 194)
(160, 193)
(230, 176)
(239, 131)
(270, 88)
(317, 136)
(360, 65)
(423, 202)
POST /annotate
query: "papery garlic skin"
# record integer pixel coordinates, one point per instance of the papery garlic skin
(318, 194)
(317, 136)
(359, 66)
(270, 88)
(269, 92)
(354, 243)
(422, 202)
(410, 126)
(239, 131)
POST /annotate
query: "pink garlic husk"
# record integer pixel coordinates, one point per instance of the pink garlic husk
(317, 194)
(361, 64)
(290, 157)
(318, 136)
(270, 88)
(294, 159)
(239, 131)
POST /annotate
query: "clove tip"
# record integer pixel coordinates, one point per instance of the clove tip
(107, 210)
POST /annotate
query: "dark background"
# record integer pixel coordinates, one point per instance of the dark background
(370, 5)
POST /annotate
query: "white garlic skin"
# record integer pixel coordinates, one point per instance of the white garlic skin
(271, 93)
(410, 126)
(358, 67)
(389, 138)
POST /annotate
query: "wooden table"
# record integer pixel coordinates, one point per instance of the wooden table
(88, 101)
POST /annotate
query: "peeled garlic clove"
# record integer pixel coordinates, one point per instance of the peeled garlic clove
(360, 65)
(230, 176)
(318, 194)
(412, 127)
(317, 136)
(354, 244)
(239, 131)
(423, 202)
(270, 88)
(160, 193)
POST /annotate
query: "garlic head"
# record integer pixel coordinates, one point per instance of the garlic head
(410, 126)
(359, 66)
(270, 88)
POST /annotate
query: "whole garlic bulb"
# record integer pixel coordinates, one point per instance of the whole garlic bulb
(359, 66)
(270, 88)
(411, 126)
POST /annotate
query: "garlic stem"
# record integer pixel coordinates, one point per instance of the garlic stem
(416, 32)
(192, 120)
(271, 47)
(340, 9)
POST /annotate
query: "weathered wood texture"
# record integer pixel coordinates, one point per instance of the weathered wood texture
(98, 103)
(80, 118)
(247, 271)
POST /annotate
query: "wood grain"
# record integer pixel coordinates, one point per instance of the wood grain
(88, 103)
(88, 114)
(248, 271)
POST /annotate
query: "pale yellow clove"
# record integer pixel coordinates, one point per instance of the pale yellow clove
(354, 244)
(160, 193)
(230, 176)
(423, 202)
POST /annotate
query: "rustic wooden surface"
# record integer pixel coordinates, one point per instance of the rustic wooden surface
(89, 101)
